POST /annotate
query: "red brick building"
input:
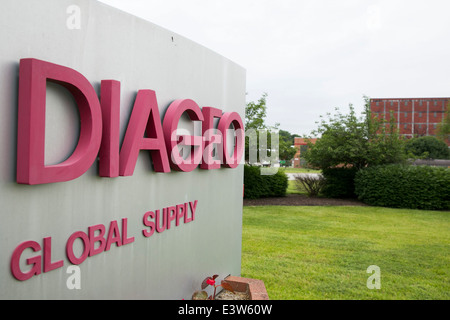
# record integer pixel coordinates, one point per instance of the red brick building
(300, 144)
(413, 116)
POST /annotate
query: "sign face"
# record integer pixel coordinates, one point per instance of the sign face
(103, 135)
(120, 156)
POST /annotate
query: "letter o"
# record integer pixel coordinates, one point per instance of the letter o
(69, 247)
(224, 124)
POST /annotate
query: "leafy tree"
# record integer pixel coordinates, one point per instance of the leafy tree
(443, 130)
(286, 151)
(428, 147)
(255, 114)
(288, 137)
(352, 141)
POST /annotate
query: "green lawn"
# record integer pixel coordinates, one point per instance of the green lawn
(293, 188)
(324, 252)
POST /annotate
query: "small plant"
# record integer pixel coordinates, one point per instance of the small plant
(210, 281)
(313, 184)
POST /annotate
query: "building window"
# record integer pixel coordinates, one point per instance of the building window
(405, 126)
(406, 114)
(406, 103)
(435, 114)
(420, 114)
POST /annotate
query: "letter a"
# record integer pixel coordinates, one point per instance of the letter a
(74, 280)
(374, 281)
(144, 118)
(74, 20)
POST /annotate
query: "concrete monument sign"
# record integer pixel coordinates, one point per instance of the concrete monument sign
(120, 154)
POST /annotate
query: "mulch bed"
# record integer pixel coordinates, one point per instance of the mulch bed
(302, 200)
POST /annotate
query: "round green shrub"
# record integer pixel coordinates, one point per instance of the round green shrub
(428, 147)
(263, 186)
(403, 186)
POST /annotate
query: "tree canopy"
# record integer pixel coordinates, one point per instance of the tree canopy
(443, 129)
(352, 141)
(255, 114)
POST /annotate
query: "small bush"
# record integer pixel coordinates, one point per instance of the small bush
(313, 184)
(339, 182)
(400, 186)
(263, 186)
(428, 147)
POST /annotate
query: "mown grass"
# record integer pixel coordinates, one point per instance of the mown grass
(294, 189)
(324, 252)
(299, 170)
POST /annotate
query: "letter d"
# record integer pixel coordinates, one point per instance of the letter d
(31, 168)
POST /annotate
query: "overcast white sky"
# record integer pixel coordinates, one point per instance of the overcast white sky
(311, 56)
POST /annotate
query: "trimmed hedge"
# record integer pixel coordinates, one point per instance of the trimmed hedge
(339, 182)
(263, 186)
(402, 186)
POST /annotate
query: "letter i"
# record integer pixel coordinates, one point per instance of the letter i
(109, 149)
